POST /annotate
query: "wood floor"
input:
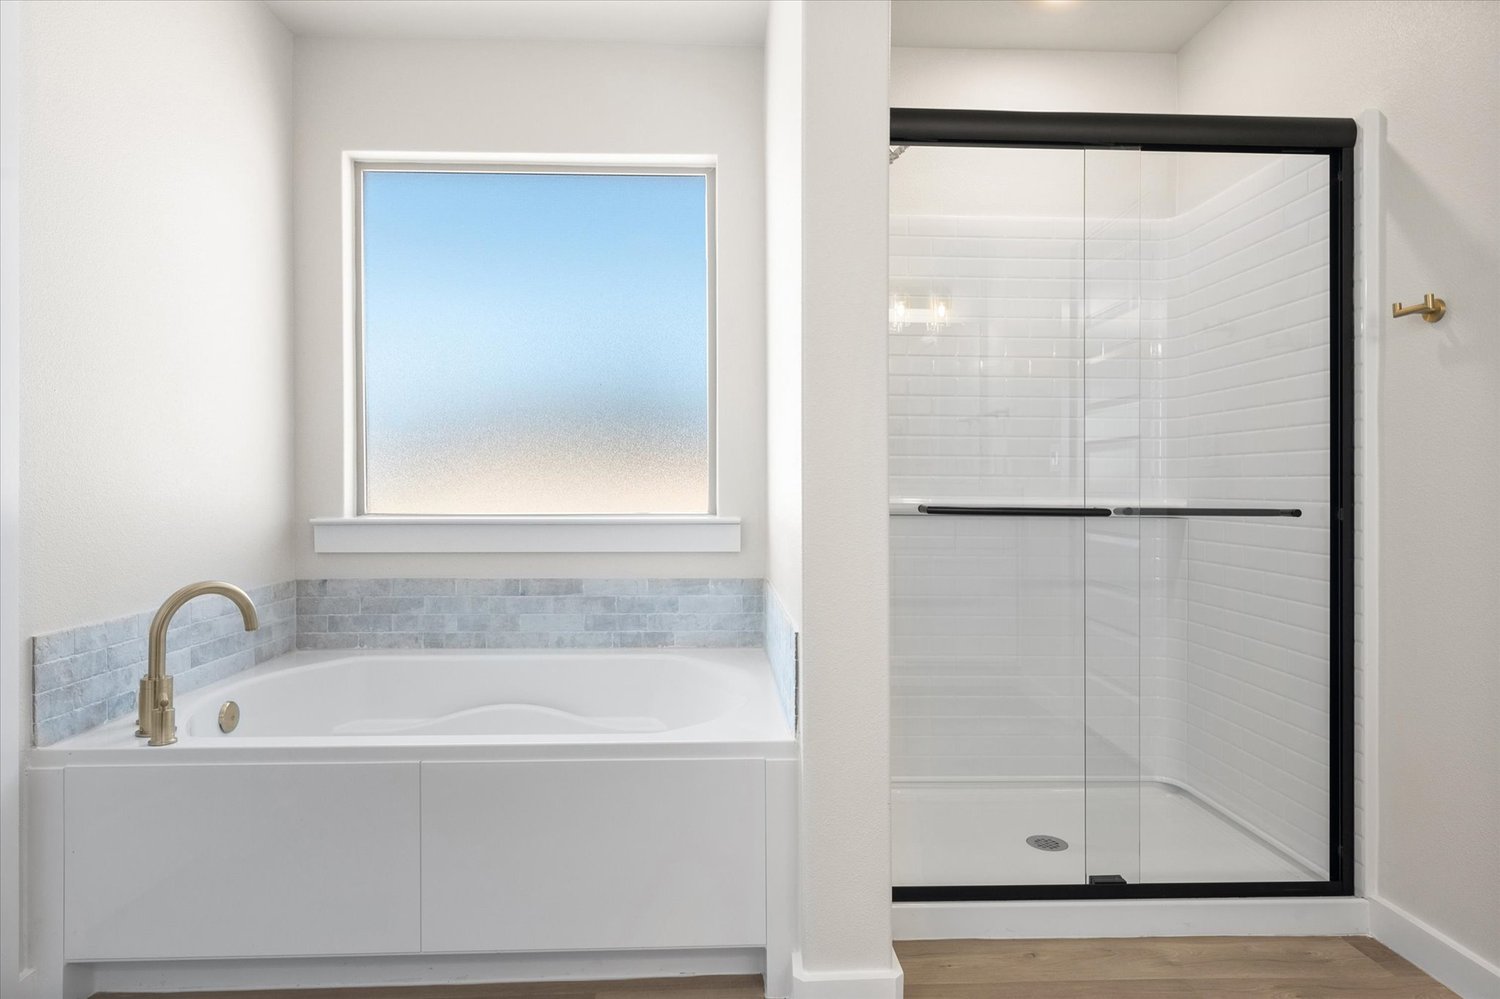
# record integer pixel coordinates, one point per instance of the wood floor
(1153, 968)
(1162, 968)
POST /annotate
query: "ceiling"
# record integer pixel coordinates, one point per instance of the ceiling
(669, 22)
(1078, 25)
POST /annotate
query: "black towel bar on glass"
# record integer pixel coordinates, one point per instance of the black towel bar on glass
(1220, 511)
(1014, 511)
(955, 510)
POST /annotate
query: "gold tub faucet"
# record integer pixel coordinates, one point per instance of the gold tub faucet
(156, 718)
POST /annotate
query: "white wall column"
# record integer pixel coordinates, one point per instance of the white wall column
(15, 712)
(845, 928)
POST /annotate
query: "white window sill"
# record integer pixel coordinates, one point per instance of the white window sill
(448, 535)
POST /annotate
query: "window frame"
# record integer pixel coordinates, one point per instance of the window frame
(363, 167)
(357, 530)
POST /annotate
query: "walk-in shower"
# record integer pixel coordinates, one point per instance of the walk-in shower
(1121, 524)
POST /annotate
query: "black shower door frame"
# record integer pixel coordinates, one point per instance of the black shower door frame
(1334, 139)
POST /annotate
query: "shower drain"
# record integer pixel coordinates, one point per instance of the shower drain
(1049, 843)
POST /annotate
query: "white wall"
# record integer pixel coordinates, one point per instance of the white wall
(845, 777)
(1020, 80)
(15, 706)
(784, 306)
(1431, 68)
(530, 98)
(156, 344)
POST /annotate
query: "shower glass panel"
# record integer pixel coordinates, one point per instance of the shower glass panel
(1236, 589)
(987, 413)
(1110, 453)
(1111, 324)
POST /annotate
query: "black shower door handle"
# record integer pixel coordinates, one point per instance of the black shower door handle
(1013, 511)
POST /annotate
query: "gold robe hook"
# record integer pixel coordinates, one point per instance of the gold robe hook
(1431, 309)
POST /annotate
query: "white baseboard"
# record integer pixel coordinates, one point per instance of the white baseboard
(1442, 957)
(424, 969)
(856, 983)
(1129, 918)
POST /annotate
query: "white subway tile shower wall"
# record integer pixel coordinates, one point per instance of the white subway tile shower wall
(987, 656)
(1195, 392)
(1114, 325)
(87, 676)
(987, 653)
(1246, 376)
(529, 613)
(988, 406)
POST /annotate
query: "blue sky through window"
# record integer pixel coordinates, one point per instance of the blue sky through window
(535, 343)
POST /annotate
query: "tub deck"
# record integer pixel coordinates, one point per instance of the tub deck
(390, 706)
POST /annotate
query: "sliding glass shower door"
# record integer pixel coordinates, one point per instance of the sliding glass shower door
(1110, 327)
(1237, 614)
(1110, 445)
(988, 481)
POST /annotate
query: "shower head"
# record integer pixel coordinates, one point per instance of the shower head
(896, 152)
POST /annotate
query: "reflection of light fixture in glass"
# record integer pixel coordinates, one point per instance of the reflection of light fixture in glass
(939, 312)
(898, 313)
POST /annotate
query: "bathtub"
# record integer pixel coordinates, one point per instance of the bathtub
(691, 700)
(431, 803)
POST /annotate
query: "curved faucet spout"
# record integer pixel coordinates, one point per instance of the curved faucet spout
(155, 714)
(157, 662)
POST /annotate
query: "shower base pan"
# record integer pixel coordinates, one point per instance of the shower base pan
(975, 833)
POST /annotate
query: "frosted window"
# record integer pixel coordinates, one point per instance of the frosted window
(535, 343)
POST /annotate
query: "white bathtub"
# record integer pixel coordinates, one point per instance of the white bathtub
(415, 803)
(556, 696)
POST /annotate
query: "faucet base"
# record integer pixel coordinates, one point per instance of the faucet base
(163, 729)
(152, 692)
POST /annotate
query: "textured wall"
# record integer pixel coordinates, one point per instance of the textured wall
(156, 334)
(1439, 668)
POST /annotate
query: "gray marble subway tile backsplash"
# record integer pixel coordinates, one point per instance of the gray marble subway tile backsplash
(529, 613)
